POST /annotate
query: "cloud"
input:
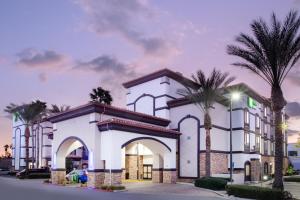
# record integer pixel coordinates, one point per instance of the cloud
(126, 18)
(294, 77)
(293, 109)
(34, 58)
(103, 63)
(43, 77)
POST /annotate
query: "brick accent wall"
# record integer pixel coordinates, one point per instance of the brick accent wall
(116, 178)
(169, 176)
(95, 179)
(255, 169)
(131, 162)
(58, 177)
(157, 175)
(219, 163)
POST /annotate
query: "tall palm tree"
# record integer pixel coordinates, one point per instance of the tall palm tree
(40, 109)
(101, 95)
(27, 113)
(271, 54)
(205, 93)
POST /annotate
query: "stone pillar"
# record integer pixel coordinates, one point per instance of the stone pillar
(255, 169)
(58, 176)
(113, 178)
(157, 175)
(95, 178)
(123, 174)
(169, 175)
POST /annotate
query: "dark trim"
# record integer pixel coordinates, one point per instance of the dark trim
(72, 137)
(157, 169)
(165, 82)
(113, 170)
(198, 142)
(169, 170)
(187, 177)
(94, 107)
(140, 130)
(155, 75)
(47, 145)
(145, 138)
(162, 108)
(93, 122)
(96, 170)
(214, 151)
(142, 96)
(58, 169)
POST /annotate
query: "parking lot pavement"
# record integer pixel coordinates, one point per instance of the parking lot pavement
(14, 189)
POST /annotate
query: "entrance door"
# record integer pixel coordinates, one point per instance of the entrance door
(247, 171)
(147, 171)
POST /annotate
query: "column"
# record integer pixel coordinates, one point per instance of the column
(170, 171)
(157, 170)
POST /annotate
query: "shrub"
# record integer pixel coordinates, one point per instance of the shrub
(212, 183)
(254, 192)
(291, 179)
(38, 176)
(112, 187)
(290, 170)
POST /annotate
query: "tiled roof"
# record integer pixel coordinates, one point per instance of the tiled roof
(133, 126)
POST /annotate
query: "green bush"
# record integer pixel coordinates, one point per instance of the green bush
(290, 170)
(112, 187)
(291, 179)
(38, 176)
(212, 183)
(254, 192)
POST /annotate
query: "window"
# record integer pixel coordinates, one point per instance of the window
(265, 128)
(247, 138)
(272, 148)
(257, 121)
(246, 116)
(293, 153)
(265, 111)
(257, 142)
(266, 149)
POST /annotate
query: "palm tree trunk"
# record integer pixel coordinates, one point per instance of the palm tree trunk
(38, 145)
(32, 147)
(278, 104)
(27, 134)
(207, 125)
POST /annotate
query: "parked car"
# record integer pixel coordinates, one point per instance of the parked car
(34, 173)
(77, 176)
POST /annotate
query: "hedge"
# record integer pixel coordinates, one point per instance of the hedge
(254, 192)
(39, 176)
(292, 179)
(112, 187)
(212, 183)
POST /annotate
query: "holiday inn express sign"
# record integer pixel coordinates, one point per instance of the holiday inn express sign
(251, 103)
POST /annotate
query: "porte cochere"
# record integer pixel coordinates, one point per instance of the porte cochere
(121, 144)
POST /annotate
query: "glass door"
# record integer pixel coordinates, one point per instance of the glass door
(147, 171)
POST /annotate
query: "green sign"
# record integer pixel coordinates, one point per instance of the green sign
(251, 103)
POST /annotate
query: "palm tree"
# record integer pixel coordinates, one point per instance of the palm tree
(205, 93)
(100, 95)
(271, 54)
(57, 109)
(40, 108)
(27, 113)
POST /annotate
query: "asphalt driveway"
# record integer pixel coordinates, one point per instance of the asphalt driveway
(14, 189)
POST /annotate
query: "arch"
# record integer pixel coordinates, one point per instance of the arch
(145, 95)
(145, 138)
(247, 174)
(198, 142)
(72, 138)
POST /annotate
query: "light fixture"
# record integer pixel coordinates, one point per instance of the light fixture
(235, 95)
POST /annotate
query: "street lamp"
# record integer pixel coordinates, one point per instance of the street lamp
(234, 96)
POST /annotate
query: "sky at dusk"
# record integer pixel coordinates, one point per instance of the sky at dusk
(57, 51)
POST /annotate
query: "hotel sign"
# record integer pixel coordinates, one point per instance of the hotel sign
(251, 103)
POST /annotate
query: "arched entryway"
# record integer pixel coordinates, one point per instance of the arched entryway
(143, 159)
(72, 153)
(247, 168)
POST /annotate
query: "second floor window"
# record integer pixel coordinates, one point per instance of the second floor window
(293, 153)
(246, 117)
(257, 121)
(247, 138)
(257, 142)
(265, 111)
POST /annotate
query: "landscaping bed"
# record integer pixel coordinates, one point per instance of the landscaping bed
(213, 183)
(255, 192)
(291, 179)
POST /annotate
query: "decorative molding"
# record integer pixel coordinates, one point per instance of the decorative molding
(146, 138)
